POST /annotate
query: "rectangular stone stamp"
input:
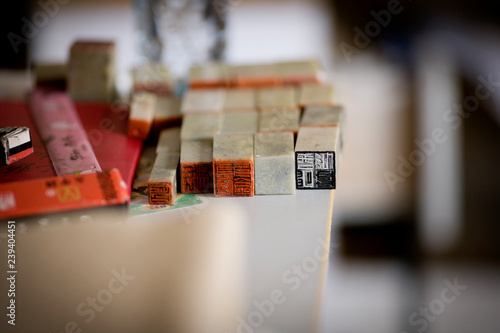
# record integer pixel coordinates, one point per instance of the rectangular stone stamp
(274, 163)
(253, 75)
(233, 165)
(322, 116)
(279, 120)
(316, 94)
(162, 184)
(240, 122)
(208, 75)
(297, 72)
(91, 71)
(169, 141)
(203, 101)
(325, 116)
(197, 166)
(152, 77)
(269, 99)
(142, 111)
(316, 157)
(240, 100)
(200, 126)
(167, 113)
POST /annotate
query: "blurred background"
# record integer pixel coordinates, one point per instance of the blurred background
(418, 201)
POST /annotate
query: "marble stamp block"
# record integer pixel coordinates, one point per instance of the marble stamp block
(269, 99)
(240, 100)
(169, 141)
(254, 75)
(208, 75)
(316, 157)
(325, 116)
(240, 122)
(315, 94)
(203, 101)
(153, 77)
(197, 166)
(322, 116)
(162, 184)
(274, 163)
(297, 72)
(279, 120)
(167, 113)
(233, 165)
(200, 126)
(142, 111)
(91, 71)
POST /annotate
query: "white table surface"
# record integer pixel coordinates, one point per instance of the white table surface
(283, 231)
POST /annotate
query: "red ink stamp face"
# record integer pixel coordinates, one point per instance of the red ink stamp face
(233, 178)
(161, 193)
(197, 178)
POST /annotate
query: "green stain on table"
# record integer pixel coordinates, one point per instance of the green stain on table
(139, 204)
